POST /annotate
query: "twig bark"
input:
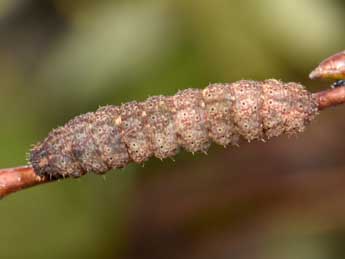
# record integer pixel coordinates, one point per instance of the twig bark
(330, 97)
(18, 178)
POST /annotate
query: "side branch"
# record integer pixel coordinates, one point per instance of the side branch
(18, 178)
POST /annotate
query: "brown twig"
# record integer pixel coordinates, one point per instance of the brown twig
(18, 178)
(331, 97)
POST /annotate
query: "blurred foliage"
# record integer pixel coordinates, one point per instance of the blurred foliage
(60, 58)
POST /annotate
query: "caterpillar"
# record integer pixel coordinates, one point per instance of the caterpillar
(114, 136)
(332, 67)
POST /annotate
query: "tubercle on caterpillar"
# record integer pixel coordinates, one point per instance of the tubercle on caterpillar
(114, 136)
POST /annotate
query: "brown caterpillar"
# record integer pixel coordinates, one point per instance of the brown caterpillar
(114, 136)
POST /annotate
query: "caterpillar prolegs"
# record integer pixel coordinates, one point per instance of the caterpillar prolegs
(114, 136)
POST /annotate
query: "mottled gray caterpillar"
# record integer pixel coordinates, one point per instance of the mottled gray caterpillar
(114, 136)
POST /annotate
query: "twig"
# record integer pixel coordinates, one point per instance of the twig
(18, 178)
(331, 97)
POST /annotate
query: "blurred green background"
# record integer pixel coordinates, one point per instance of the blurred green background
(282, 199)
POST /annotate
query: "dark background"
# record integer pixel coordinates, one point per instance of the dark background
(282, 199)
